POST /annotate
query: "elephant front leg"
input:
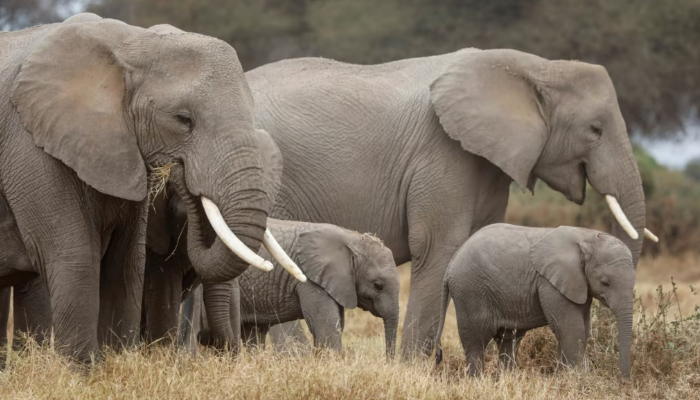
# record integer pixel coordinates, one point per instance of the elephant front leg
(4, 318)
(568, 322)
(32, 312)
(121, 285)
(162, 295)
(75, 303)
(324, 317)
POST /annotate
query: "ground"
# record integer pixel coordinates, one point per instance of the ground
(666, 362)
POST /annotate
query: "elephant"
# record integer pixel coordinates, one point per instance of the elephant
(345, 269)
(508, 279)
(422, 151)
(169, 276)
(88, 107)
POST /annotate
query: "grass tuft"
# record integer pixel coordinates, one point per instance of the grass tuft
(665, 365)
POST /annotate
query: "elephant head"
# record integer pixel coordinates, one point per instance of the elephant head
(109, 99)
(558, 121)
(582, 263)
(357, 270)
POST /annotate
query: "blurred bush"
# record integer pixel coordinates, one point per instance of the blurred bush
(672, 203)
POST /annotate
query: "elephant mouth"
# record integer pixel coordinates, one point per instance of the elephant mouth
(208, 211)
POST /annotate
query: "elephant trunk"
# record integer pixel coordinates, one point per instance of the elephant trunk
(234, 185)
(614, 173)
(623, 315)
(632, 204)
(391, 326)
(222, 334)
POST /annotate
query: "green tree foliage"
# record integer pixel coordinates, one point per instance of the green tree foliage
(649, 47)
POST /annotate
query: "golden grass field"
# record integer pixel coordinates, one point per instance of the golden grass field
(666, 362)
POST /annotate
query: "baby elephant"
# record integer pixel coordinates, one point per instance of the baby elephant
(345, 269)
(506, 280)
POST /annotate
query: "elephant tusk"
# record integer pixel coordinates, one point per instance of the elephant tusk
(621, 217)
(229, 238)
(278, 253)
(649, 235)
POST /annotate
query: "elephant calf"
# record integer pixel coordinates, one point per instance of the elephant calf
(506, 280)
(345, 269)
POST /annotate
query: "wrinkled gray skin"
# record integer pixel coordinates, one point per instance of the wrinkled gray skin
(422, 151)
(508, 279)
(345, 269)
(86, 105)
(169, 275)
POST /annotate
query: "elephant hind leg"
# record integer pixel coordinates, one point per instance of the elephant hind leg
(4, 318)
(508, 342)
(254, 336)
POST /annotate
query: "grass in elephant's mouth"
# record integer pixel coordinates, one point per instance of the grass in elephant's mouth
(666, 364)
(157, 179)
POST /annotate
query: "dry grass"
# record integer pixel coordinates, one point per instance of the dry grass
(666, 363)
(157, 179)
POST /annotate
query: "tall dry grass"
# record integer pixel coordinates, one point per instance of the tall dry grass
(666, 364)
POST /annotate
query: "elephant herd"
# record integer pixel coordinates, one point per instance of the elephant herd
(263, 168)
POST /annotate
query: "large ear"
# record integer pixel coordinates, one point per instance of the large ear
(271, 158)
(327, 261)
(70, 94)
(489, 101)
(559, 258)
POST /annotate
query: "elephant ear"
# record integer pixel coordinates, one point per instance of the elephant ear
(70, 94)
(271, 159)
(559, 258)
(489, 102)
(326, 260)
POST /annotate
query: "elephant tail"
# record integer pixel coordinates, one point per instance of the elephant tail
(443, 313)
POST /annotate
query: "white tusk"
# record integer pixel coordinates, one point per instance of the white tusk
(620, 216)
(650, 236)
(278, 253)
(229, 238)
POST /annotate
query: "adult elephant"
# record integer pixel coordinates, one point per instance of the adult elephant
(85, 106)
(422, 151)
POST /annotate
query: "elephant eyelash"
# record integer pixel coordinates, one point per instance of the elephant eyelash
(185, 120)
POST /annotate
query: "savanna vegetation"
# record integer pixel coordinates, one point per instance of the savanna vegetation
(650, 50)
(665, 364)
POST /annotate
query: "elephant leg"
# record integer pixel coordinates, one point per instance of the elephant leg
(474, 340)
(121, 285)
(32, 312)
(508, 342)
(4, 319)
(254, 336)
(289, 333)
(568, 322)
(324, 317)
(162, 295)
(74, 288)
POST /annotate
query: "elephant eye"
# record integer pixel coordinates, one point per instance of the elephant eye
(605, 281)
(378, 286)
(597, 130)
(185, 120)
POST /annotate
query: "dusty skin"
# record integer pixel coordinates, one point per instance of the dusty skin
(658, 371)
